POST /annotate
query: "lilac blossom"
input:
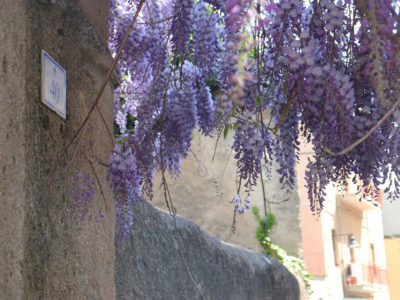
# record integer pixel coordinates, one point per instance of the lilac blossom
(225, 65)
(205, 38)
(241, 209)
(83, 199)
(180, 27)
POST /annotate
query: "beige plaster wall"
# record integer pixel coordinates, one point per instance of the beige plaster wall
(205, 188)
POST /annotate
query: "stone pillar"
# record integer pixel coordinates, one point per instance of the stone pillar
(12, 154)
(44, 252)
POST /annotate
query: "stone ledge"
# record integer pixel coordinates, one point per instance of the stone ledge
(149, 266)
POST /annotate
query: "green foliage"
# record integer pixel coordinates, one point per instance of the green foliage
(265, 225)
(130, 125)
(295, 264)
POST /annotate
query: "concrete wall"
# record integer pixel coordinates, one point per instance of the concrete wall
(149, 264)
(45, 254)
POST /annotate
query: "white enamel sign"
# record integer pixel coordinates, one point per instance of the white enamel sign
(54, 85)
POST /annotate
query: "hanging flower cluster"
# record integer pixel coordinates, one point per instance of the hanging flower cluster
(269, 70)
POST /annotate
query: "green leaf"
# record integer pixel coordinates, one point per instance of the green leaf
(226, 130)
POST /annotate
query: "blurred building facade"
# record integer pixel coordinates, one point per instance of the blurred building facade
(343, 248)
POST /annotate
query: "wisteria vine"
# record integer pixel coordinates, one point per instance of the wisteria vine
(271, 71)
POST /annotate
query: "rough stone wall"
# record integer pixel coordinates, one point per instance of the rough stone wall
(12, 155)
(149, 264)
(205, 189)
(45, 253)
